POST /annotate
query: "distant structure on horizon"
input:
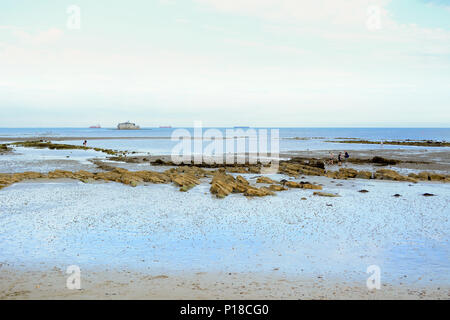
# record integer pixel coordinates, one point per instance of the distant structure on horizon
(95, 127)
(165, 127)
(127, 126)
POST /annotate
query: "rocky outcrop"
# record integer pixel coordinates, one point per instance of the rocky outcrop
(60, 146)
(386, 174)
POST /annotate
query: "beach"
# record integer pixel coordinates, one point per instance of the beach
(148, 240)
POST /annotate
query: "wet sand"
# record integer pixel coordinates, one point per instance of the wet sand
(129, 284)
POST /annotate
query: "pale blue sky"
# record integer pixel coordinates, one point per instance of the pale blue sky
(246, 62)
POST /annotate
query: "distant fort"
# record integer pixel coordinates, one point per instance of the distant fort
(127, 126)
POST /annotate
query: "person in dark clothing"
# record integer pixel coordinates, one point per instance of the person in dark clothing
(84, 143)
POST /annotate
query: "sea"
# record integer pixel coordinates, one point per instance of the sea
(289, 139)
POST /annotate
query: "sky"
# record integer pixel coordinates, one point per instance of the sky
(276, 63)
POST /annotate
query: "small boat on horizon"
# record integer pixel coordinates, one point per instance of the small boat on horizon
(165, 127)
(95, 127)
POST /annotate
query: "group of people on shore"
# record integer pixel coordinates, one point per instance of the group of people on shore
(340, 158)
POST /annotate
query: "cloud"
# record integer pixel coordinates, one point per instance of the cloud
(349, 12)
(40, 38)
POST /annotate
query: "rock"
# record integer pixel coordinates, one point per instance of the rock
(397, 195)
(120, 170)
(153, 177)
(317, 164)
(363, 191)
(383, 161)
(303, 198)
(130, 179)
(186, 188)
(325, 194)
(364, 175)
(386, 174)
(292, 184)
(310, 186)
(265, 180)
(255, 192)
(221, 189)
(237, 169)
(423, 175)
(133, 183)
(415, 176)
(436, 177)
(254, 169)
(185, 179)
(295, 169)
(222, 184)
(347, 172)
(428, 195)
(83, 174)
(277, 187)
(241, 179)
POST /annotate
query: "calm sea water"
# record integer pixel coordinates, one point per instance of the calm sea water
(363, 133)
(316, 138)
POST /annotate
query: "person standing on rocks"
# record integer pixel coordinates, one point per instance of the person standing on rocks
(85, 143)
(331, 158)
(340, 158)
